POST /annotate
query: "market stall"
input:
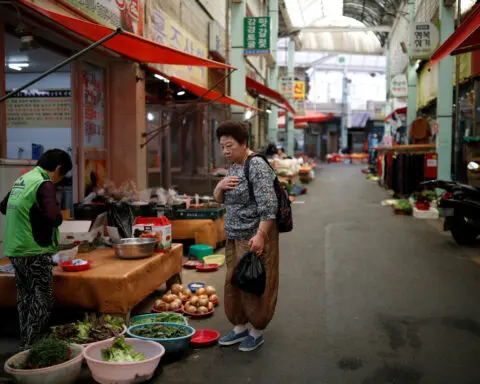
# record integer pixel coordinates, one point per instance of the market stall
(111, 285)
(401, 168)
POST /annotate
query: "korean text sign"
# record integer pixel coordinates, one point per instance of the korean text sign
(256, 35)
(127, 14)
(162, 29)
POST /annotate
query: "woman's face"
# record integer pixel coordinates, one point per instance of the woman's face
(232, 149)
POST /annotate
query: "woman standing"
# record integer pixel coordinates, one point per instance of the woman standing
(31, 238)
(249, 226)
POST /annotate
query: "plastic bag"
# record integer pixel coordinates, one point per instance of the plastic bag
(121, 217)
(249, 274)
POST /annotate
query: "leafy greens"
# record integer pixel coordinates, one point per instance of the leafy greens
(121, 352)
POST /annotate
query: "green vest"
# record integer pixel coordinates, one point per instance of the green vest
(18, 239)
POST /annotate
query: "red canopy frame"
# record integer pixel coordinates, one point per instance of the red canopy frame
(125, 43)
(264, 90)
(398, 111)
(466, 38)
(210, 95)
(300, 122)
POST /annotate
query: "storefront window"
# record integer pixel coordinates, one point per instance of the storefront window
(93, 83)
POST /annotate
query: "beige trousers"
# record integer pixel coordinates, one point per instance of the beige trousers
(243, 307)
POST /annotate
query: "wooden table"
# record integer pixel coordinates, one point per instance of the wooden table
(207, 231)
(112, 285)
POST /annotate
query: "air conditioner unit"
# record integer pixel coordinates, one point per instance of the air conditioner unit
(448, 3)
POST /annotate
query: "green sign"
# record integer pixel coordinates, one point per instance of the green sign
(257, 35)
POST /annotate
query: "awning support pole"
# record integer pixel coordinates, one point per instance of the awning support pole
(62, 64)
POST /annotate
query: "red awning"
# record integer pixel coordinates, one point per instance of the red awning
(399, 111)
(127, 44)
(302, 121)
(203, 92)
(268, 92)
(466, 38)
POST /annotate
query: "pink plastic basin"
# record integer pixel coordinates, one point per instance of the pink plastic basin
(123, 373)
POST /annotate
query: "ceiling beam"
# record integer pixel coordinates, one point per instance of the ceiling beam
(373, 28)
(340, 67)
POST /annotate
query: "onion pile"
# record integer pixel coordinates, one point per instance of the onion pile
(173, 299)
(202, 302)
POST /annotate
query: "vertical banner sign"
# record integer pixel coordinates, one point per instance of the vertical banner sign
(256, 35)
(424, 40)
(299, 90)
(287, 87)
(399, 86)
(127, 14)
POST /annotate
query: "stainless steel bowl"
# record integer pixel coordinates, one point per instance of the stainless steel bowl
(134, 248)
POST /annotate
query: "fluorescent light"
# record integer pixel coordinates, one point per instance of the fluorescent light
(150, 116)
(18, 66)
(160, 77)
(248, 114)
(268, 110)
(181, 93)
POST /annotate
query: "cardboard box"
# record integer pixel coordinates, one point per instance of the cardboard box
(82, 230)
(158, 227)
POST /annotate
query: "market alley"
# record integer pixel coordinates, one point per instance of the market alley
(365, 297)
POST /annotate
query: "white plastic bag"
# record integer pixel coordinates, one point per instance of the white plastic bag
(66, 255)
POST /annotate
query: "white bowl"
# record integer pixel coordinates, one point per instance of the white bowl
(65, 373)
(123, 373)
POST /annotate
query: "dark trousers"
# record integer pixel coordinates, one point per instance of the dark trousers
(34, 280)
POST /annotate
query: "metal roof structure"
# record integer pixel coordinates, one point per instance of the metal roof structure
(348, 26)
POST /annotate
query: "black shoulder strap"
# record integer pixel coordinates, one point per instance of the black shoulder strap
(246, 171)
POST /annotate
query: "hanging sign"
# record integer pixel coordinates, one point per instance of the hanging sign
(127, 14)
(287, 87)
(256, 35)
(300, 108)
(299, 90)
(399, 86)
(424, 39)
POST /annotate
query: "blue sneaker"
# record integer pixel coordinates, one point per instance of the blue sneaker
(233, 338)
(251, 343)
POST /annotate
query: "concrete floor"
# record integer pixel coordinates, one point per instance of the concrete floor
(365, 297)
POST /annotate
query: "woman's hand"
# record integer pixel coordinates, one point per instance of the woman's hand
(257, 244)
(228, 183)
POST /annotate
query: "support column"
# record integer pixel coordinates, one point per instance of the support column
(343, 121)
(388, 79)
(412, 77)
(289, 117)
(445, 97)
(273, 73)
(237, 79)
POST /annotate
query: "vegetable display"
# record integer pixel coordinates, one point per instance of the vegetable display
(173, 299)
(93, 328)
(166, 317)
(202, 302)
(159, 331)
(121, 352)
(47, 352)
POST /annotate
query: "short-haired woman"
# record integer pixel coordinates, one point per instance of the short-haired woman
(31, 239)
(249, 226)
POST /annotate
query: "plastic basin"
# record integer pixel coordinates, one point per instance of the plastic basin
(123, 373)
(65, 373)
(214, 259)
(175, 346)
(152, 317)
